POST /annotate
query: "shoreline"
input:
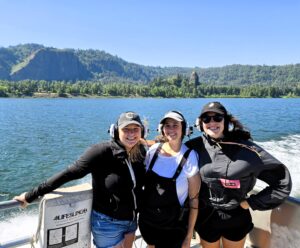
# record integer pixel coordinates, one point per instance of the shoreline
(38, 95)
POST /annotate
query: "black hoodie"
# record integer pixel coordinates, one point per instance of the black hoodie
(114, 193)
(229, 170)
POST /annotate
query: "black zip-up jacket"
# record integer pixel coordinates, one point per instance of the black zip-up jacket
(229, 172)
(113, 188)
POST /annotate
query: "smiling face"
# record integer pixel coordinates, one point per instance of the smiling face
(130, 135)
(172, 130)
(213, 124)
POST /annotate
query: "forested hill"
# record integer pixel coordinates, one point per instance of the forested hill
(36, 62)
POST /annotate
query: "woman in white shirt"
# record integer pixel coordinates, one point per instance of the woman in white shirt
(172, 184)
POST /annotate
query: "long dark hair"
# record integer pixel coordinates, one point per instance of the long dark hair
(234, 129)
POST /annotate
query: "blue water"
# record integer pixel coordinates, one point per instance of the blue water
(41, 136)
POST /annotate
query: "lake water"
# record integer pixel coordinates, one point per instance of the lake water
(39, 137)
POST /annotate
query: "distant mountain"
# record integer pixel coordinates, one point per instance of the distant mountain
(33, 61)
(36, 62)
(50, 64)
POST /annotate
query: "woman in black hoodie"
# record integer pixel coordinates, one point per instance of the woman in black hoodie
(230, 163)
(117, 169)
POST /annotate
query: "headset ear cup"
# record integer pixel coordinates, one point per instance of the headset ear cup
(198, 125)
(201, 127)
(188, 130)
(113, 131)
(230, 127)
(116, 132)
(159, 129)
(186, 127)
(142, 131)
(145, 131)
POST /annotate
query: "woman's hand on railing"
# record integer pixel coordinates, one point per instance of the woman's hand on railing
(21, 198)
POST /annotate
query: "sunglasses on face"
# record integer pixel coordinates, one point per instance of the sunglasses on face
(207, 119)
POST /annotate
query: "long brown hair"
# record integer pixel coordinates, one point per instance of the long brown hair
(137, 153)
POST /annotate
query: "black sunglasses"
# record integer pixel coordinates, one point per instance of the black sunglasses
(207, 119)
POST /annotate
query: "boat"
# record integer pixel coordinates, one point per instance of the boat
(276, 228)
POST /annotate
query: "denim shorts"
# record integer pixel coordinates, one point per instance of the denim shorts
(109, 232)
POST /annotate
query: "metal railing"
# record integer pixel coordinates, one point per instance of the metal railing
(17, 242)
(9, 204)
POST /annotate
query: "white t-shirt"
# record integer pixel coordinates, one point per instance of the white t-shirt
(166, 167)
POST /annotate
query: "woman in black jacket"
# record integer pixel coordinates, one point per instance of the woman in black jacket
(117, 169)
(230, 163)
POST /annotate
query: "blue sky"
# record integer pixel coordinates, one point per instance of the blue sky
(187, 33)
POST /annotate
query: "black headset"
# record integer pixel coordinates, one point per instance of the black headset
(198, 124)
(186, 129)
